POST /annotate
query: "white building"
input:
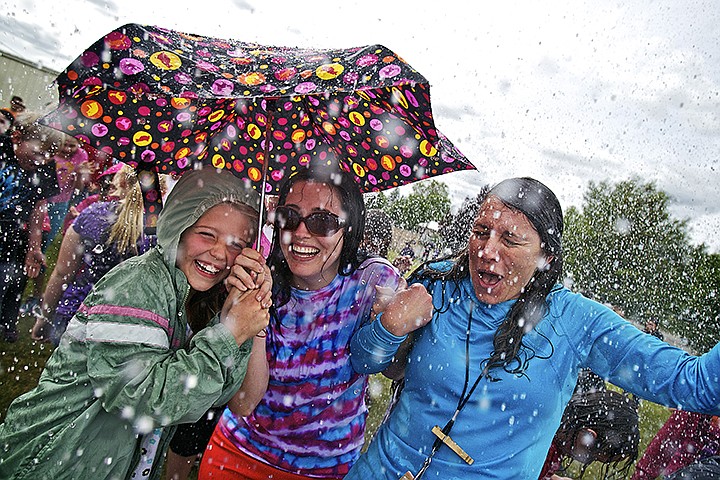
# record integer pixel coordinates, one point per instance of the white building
(33, 83)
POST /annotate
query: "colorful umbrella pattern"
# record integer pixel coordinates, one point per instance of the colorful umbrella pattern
(164, 101)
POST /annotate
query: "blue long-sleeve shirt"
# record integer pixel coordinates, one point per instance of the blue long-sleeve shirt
(508, 425)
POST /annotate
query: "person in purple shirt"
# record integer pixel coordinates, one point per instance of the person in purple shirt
(311, 421)
(103, 235)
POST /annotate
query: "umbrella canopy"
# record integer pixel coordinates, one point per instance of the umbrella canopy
(165, 101)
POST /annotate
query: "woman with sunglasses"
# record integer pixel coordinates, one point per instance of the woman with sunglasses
(311, 421)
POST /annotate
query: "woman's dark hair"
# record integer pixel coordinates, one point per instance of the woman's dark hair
(202, 307)
(541, 207)
(354, 207)
(613, 417)
(704, 469)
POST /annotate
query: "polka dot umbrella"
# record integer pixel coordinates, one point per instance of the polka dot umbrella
(165, 101)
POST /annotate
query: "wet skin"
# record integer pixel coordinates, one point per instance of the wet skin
(313, 260)
(504, 252)
(209, 247)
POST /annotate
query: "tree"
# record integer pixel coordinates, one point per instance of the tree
(428, 201)
(701, 319)
(625, 249)
(455, 230)
(376, 201)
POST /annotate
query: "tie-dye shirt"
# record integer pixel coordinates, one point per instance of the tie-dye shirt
(311, 420)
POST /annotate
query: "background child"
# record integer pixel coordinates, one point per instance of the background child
(102, 236)
(27, 178)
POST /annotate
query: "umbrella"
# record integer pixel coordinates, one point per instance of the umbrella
(165, 101)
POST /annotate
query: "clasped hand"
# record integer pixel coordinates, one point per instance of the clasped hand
(245, 311)
(404, 310)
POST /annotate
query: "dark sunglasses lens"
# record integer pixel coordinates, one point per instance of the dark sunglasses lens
(321, 223)
(287, 218)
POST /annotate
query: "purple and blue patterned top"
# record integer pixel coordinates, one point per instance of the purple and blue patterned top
(311, 420)
(93, 225)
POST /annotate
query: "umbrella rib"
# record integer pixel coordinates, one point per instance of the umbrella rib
(318, 130)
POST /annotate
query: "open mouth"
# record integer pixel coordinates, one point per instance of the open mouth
(488, 279)
(207, 268)
(304, 252)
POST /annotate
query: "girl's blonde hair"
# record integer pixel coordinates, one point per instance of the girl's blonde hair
(128, 226)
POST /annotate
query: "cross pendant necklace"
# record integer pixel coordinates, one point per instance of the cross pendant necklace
(443, 434)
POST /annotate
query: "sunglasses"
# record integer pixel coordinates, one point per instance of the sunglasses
(322, 224)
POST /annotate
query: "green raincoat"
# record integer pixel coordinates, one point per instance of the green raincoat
(124, 373)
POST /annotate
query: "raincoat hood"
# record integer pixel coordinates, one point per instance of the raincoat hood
(193, 195)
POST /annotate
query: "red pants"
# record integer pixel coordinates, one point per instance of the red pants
(223, 461)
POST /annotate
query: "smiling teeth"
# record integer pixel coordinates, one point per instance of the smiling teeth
(304, 250)
(207, 268)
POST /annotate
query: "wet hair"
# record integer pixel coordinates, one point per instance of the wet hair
(354, 207)
(128, 227)
(613, 416)
(201, 307)
(705, 469)
(541, 207)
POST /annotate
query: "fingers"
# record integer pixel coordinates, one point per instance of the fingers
(409, 310)
(246, 300)
(32, 270)
(34, 260)
(241, 279)
(243, 315)
(264, 293)
(248, 271)
(40, 331)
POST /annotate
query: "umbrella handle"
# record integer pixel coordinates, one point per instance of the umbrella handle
(263, 185)
(152, 199)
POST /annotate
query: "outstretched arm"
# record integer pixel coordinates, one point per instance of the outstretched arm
(68, 262)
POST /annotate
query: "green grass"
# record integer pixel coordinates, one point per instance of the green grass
(21, 364)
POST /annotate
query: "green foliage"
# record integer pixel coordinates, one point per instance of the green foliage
(377, 201)
(428, 201)
(700, 320)
(455, 231)
(624, 248)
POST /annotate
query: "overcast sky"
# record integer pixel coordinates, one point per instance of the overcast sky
(564, 91)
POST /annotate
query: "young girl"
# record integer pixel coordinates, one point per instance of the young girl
(124, 373)
(311, 421)
(102, 236)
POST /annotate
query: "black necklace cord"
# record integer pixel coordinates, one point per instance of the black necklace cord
(462, 401)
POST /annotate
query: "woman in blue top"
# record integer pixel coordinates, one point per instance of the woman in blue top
(487, 380)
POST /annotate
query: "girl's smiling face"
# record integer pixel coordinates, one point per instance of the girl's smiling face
(208, 248)
(313, 260)
(504, 252)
